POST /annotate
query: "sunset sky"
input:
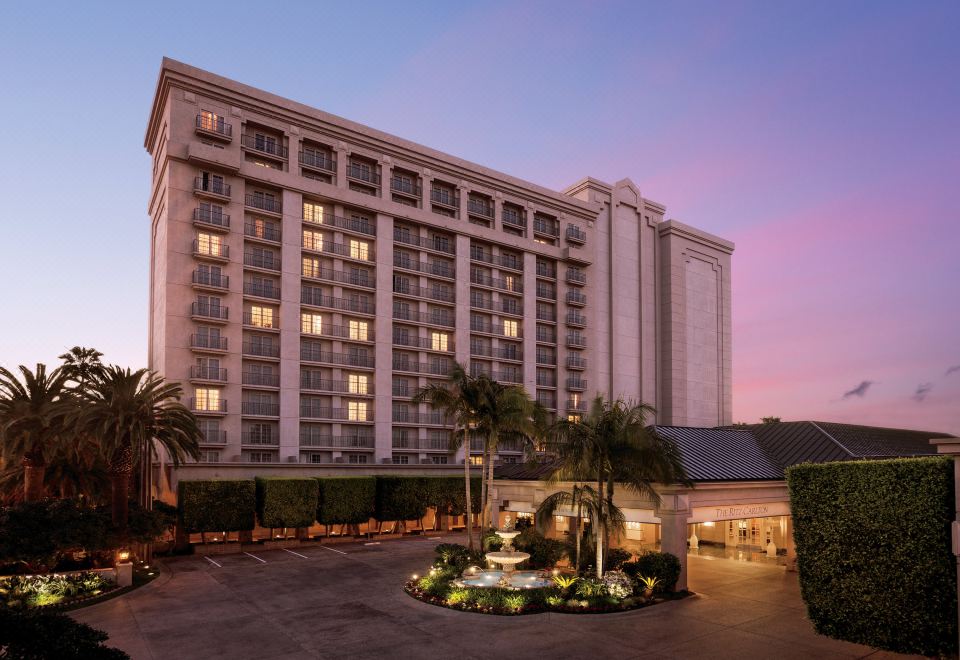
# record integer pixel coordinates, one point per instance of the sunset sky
(823, 138)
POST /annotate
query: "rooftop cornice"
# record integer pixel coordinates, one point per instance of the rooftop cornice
(694, 234)
(178, 74)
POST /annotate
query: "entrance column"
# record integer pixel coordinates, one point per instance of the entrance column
(673, 513)
(790, 545)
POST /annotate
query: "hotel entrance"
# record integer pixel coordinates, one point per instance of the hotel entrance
(760, 539)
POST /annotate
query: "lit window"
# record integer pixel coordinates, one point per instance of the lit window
(311, 267)
(313, 213)
(573, 417)
(358, 330)
(210, 121)
(357, 384)
(509, 328)
(509, 282)
(207, 398)
(313, 240)
(261, 317)
(476, 460)
(311, 324)
(258, 227)
(209, 244)
(357, 411)
(359, 250)
(438, 341)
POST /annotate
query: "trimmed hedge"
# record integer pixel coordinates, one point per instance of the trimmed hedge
(346, 500)
(446, 494)
(873, 551)
(226, 505)
(664, 566)
(401, 498)
(285, 502)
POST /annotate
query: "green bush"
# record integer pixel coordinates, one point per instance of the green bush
(873, 551)
(25, 591)
(226, 505)
(457, 557)
(401, 498)
(286, 502)
(346, 500)
(446, 494)
(45, 634)
(544, 552)
(616, 557)
(661, 565)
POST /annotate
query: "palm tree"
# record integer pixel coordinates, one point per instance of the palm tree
(574, 501)
(131, 412)
(82, 364)
(612, 443)
(32, 415)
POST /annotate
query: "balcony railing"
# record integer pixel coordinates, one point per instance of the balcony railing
(311, 410)
(504, 306)
(262, 379)
(576, 384)
(576, 362)
(359, 225)
(211, 251)
(261, 408)
(365, 174)
(263, 232)
(545, 380)
(546, 270)
(214, 437)
(576, 340)
(546, 359)
(268, 204)
(546, 292)
(316, 354)
(206, 278)
(207, 311)
(267, 261)
(440, 293)
(510, 261)
(215, 125)
(211, 186)
(310, 295)
(576, 406)
(514, 285)
(576, 235)
(308, 439)
(427, 343)
(361, 279)
(342, 249)
(261, 290)
(261, 349)
(546, 227)
(433, 318)
(318, 161)
(315, 383)
(212, 218)
(269, 147)
(511, 217)
(575, 276)
(427, 444)
(445, 197)
(576, 320)
(437, 243)
(513, 377)
(501, 353)
(343, 332)
(260, 439)
(405, 186)
(429, 267)
(549, 315)
(413, 417)
(476, 325)
(439, 368)
(209, 343)
(576, 297)
(208, 406)
(208, 373)
(261, 321)
(549, 404)
(480, 208)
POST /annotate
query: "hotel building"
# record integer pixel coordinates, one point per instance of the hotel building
(309, 273)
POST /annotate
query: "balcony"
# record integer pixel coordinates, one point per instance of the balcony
(434, 268)
(477, 325)
(405, 187)
(480, 208)
(363, 173)
(512, 352)
(264, 146)
(576, 340)
(512, 377)
(511, 261)
(218, 251)
(512, 218)
(261, 321)
(209, 312)
(358, 225)
(576, 276)
(576, 405)
(546, 270)
(548, 315)
(427, 444)
(576, 235)
(547, 335)
(546, 227)
(547, 380)
(310, 410)
(260, 379)
(261, 349)
(351, 251)
(264, 260)
(211, 187)
(213, 374)
(210, 218)
(263, 203)
(425, 343)
(318, 160)
(431, 318)
(361, 279)
(316, 354)
(511, 284)
(433, 368)
(343, 332)
(208, 406)
(261, 290)
(576, 384)
(261, 231)
(323, 441)
(576, 320)
(208, 343)
(427, 418)
(315, 383)
(576, 297)
(576, 362)
(439, 293)
(214, 126)
(260, 408)
(549, 404)
(546, 292)
(214, 437)
(546, 359)
(315, 297)
(444, 197)
(436, 243)
(259, 439)
(204, 279)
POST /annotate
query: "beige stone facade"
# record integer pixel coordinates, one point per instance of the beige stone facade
(308, 274)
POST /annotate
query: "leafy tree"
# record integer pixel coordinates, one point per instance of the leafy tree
(43, 634)
(769, 420)
(82, 365)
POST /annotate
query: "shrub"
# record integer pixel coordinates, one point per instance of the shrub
(44, 634)
(39, 590)
(617, 584)
(544, 552)
(283, 502)
(346, 500)
(458, 596)
(514, 602)
(616, 557)
(873, 551)
(589, 588)
(217, 505)
(457, 557)
(661, 565)
(446, 494)
(401, 498)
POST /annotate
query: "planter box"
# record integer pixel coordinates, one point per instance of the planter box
(217, 548)
(276, 544)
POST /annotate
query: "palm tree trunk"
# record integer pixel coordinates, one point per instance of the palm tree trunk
(601, 527)
(121, 467)
(33, 472)
(483, 490)
(489, 468)
(468, 503)
(578, 527)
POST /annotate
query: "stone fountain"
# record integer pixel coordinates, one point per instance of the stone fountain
(507, 557)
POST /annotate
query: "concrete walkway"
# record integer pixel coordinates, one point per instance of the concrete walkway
(347, 601)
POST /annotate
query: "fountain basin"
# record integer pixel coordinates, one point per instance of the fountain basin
(515, 580)
(507, 558)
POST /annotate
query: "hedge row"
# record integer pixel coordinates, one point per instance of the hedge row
(231, 505)
(873, 552)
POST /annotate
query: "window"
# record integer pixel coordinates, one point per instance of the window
(357, 384)
(258, 228)
(476, 460)
(510, 282)
(313, 240)
(357, 458)
(209, 457)
(261, 456)
(438, 341)
(313, 213)
(311, 267)
(357, 411)
(573, 417)
(401, 459)
(358, 330)
(209, 244)
(207, 398)
(210, 121)
(261, 317)
(359, 249)
(439, 460)
(510, 328)
(311, 324)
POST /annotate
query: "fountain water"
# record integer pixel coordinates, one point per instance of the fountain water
(508, 558)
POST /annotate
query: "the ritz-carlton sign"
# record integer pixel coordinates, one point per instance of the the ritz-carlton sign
(754, 511)
(739, 511)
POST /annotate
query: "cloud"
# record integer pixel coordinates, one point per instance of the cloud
(952, 369)
(923, 389)
(859, 390)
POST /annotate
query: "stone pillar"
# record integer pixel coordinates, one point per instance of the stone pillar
(343, 158)
(790, 545)
(673, 513)
(383, 336)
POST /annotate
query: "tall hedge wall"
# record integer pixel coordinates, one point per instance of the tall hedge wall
(346, 500)
(283, 502)
(446, 494)
(226, 505)
(401, 498)
(873, 551)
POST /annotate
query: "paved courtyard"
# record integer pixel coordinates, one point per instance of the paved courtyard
(347, 601)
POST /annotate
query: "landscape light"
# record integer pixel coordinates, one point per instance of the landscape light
(123, 555)
(414, 576)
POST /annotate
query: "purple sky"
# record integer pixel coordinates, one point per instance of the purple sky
(822, 138)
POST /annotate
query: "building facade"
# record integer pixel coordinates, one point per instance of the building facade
(308, 274)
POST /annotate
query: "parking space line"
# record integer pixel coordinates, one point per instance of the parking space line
(262, 561)
(212, 562)
(295, 553)
(373, 543)
(332, 550)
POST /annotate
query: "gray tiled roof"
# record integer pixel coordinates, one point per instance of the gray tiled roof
(720, 454)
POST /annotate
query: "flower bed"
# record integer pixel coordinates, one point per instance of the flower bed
(32, 591)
